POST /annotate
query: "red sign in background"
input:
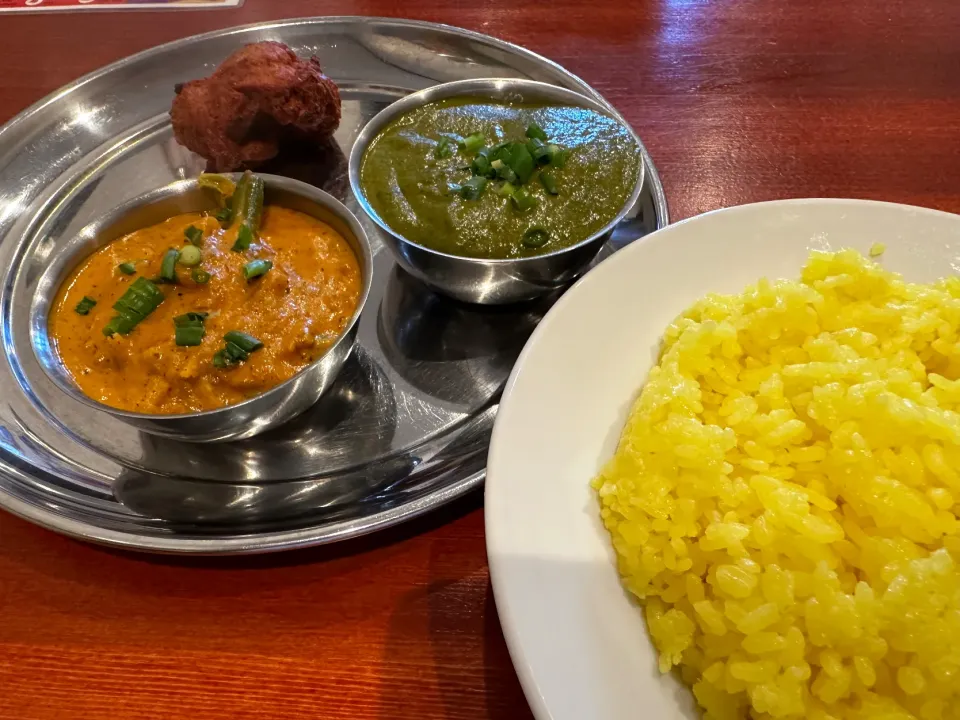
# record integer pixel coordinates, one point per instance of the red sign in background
(41, 5)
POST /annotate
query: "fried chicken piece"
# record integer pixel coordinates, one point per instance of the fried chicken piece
(261, 97)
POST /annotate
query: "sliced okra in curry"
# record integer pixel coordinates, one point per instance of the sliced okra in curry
(224, 188)
(247, 210)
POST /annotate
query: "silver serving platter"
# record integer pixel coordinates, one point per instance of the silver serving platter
(406, 426)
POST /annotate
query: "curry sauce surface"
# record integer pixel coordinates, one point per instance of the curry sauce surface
(409, 185)
(298, 309)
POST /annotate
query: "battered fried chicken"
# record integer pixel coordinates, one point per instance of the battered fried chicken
(261, 97)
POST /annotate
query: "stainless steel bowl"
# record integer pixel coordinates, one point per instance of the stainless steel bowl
(474, 280)
(233, 422)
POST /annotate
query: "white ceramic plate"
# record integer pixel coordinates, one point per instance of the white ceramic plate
(578, 643)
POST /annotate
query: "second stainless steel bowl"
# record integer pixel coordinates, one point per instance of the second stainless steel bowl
(476, 280)
(233, 422)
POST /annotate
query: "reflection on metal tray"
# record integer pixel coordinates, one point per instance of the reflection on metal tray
(405, 428)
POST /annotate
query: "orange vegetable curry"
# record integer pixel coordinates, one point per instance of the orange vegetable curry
(297, 309)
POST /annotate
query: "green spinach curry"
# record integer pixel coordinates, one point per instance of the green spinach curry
(480, 178)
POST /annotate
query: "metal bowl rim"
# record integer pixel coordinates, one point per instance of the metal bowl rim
(297, 187)
(444, 91)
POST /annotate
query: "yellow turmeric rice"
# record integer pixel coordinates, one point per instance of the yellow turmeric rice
(784, 500)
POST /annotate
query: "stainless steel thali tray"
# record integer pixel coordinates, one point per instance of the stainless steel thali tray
(406, 427)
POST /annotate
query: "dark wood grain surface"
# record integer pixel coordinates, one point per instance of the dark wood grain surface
(737, 100)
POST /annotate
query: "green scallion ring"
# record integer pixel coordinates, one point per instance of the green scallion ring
(256, 268)
(168, 266)
(190, 256)
(472, 143)
(200, 277)
(535, 237)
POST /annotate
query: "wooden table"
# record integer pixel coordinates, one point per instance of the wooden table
(737, 100)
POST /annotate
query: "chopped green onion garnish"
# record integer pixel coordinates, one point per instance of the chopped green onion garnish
(507, 189)
(127, 268)
(85, 305)
(190, 256)
(549, 182)
(521, 162)
(189, 329)
(473, 188)
(503, 172)
(139, 300)
(119, 324)
(190, 318)
(256, 268)
(244, 238)
(444, 148)
(472, 143)
(544, 155)
(247, 343)
(559, 156)
(481, 166)
(237, 349)
(536, 132)
(535, 237)
(168, 265)
(194, 235)
(200, 277)
(189, 336)
(522, 200)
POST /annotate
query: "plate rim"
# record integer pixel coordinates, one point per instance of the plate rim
(497, 478)
(319, 533)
